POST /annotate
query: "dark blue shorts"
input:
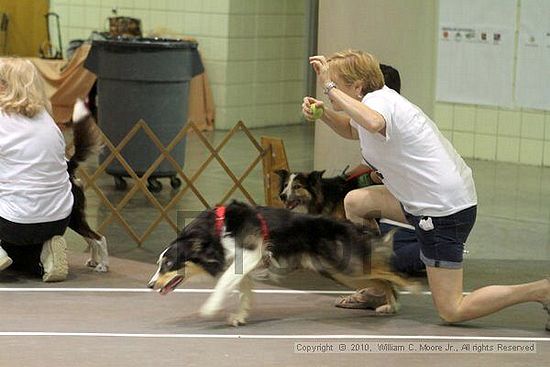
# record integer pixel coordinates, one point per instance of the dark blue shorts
(442, 238)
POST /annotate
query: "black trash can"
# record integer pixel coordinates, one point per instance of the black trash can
(143, 78)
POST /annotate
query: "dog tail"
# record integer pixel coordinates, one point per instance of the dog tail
(87, 137)
(381, 254)
(383, 248)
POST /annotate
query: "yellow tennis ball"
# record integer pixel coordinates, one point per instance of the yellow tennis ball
(316, 112)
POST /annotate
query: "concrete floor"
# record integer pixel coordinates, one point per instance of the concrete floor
(111, 319)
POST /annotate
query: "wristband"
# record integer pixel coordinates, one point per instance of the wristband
(328, 86)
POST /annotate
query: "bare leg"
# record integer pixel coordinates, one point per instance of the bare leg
(362, 206)
(372, 202)
(446, 286)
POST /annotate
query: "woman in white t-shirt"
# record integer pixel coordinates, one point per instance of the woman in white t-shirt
(426, 182)
(35, 191)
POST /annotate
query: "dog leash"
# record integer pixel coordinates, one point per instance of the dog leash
(220, 221)
(380, 175)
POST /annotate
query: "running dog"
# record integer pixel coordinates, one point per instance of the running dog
(87, 140)
(238, 242)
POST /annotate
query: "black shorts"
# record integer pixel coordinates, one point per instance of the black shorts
(442, 238)
(28, 234)
(23, 242)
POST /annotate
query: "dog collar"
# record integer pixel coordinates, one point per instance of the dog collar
(220, 221)
(361, 172)
(263, 224)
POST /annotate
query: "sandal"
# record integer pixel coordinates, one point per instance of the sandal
(364, 299)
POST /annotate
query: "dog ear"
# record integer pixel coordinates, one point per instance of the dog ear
(315, 177)
(196, 246)
(282, 173)
(211, 261)
(283, 177)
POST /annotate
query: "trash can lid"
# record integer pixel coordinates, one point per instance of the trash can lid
(144, 43)
(144, 59)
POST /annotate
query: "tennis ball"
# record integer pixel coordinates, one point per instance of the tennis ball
(316, 112)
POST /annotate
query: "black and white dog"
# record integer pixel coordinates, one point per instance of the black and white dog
(87, 140)
(238, 241)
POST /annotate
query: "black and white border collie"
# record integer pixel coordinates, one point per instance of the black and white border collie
(237, 242)
(87, 140)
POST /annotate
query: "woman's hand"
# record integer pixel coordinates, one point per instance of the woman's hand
(307, 107)
(321, 68)
(376, 177)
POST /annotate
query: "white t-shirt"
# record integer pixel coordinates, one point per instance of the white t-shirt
(34, 183)
(419, 165)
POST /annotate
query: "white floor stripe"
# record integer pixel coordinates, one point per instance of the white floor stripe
(188, 290)
(229, 336)
(268, 336)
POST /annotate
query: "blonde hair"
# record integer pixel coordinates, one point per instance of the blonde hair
(353, 65)
(22, 89)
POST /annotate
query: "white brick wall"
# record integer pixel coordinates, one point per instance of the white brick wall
(254, 50)
(507, 135)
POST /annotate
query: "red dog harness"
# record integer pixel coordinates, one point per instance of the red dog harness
(220, 221)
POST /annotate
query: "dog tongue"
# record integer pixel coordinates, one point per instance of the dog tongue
(291, 205)
(170, 286)
(164, 291)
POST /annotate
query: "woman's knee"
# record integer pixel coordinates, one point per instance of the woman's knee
(361, 202)
(354, 201)
(450, 314)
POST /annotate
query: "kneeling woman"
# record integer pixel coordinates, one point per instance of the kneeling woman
(35, 191)
(426, 182)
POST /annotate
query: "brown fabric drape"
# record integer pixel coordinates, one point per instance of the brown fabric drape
(65, 82)
(201, 103)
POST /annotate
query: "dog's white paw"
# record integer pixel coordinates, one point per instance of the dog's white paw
(98, 267)
(91, 263)
(101, 268)
(387, 309)
(99, 255)
(236, 319)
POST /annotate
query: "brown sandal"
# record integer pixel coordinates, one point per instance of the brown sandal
(364, 299)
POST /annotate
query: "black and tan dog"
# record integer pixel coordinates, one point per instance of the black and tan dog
(236, 242)
(87, 141)
(310, 192)
(314, 194)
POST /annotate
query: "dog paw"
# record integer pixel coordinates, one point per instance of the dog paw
(387, 309)
(236, 320)
(101, 268)
(91, 263)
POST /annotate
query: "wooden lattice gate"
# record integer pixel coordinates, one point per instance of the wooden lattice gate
(90, 176)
